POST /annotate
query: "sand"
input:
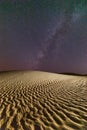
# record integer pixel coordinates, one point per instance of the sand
(34, 100)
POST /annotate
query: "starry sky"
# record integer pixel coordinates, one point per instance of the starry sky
(47, 35)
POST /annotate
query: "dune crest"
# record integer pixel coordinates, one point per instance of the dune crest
(34, 100)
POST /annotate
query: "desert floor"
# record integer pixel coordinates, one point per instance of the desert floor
(34, 100)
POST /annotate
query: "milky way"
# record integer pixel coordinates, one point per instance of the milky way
(44, 35)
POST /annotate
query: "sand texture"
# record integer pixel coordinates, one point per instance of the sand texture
(34, 100)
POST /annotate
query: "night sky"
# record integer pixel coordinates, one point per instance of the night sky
(47, 35)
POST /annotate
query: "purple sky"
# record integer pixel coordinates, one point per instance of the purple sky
(49, 36)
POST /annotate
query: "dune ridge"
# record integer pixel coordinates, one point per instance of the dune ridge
(35, 100)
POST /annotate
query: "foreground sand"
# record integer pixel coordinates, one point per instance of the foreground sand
(33, 100)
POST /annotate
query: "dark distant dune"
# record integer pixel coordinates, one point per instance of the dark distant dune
(74, 74)
(34, 100)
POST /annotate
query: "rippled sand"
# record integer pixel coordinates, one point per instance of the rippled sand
(33, 100)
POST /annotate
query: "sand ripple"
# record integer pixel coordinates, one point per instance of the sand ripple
(33, 100)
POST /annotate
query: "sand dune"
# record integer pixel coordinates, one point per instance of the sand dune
(34, 100)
